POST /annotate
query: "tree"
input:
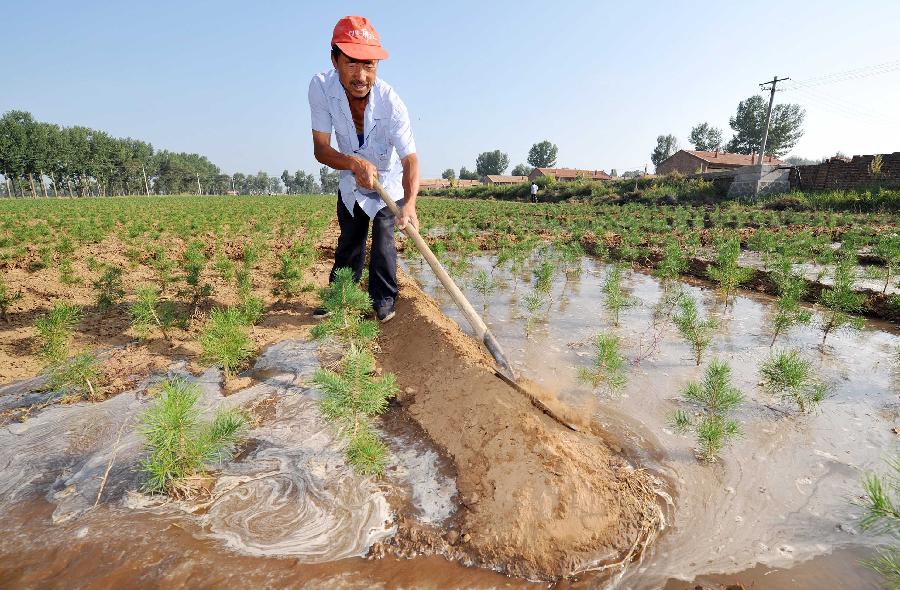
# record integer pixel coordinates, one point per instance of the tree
(666, 145)
(304, 183)
(800, 161)
(543, 154)
(495, 162)
(464, 174)
(614, 173)
(749, 125)
(705, 137)
(521, 170)
(448, 174)
(329, 180)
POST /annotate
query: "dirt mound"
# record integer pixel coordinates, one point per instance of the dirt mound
(539, 500)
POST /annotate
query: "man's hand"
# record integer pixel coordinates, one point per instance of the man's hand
(408, 216)
(366, 173)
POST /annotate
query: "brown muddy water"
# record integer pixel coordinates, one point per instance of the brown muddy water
(286, 513)
(776, 511)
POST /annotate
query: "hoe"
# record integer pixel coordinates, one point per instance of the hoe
(504, 370)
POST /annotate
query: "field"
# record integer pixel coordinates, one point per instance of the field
(616, 307)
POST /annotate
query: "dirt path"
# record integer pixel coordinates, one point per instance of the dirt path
(538, 500)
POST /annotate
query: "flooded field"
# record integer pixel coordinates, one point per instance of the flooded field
(287, 512)
(780, 498)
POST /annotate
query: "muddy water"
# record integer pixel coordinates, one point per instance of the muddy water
(780, 496)
(287, 512)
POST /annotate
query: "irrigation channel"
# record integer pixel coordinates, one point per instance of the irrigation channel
(774, 512)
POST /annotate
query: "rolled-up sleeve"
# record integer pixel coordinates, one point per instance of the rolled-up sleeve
(318, 106)
(401, 131)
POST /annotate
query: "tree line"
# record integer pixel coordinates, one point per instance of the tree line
(749, 125)
(48, 160)
(541, 155)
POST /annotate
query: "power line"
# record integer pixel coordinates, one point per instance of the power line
(846, 75)
(845, 107)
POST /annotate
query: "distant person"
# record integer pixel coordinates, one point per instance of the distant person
(534, 190)
(374, 142)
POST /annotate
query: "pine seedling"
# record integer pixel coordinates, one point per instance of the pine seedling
(164, 267)
(351, 399)
(76, 376)
(543, 277)
(346, 303)
(289, 276)
(888, 249)
(672, 264)
(194, 263)
(67, 274)
(180, 446)
(789, 312)
(225, 341)
(697, 332)
(714, 399)
(533, 303)
(608, 367)
(109, 288)
(7, 298)
(570, 255)
(250, 310)
(726, 271)
(789, 376)
(881, 504)
(224, 267)
(616, 298)
(366, 453)
(484, 286)
(54, 330)
(149, 313)
(841, 301)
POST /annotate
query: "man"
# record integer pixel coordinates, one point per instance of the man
(374, 142)
(534, 189)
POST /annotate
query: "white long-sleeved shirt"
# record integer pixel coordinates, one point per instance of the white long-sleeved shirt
(387, 136)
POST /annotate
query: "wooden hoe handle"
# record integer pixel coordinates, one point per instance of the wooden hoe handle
(481, 330)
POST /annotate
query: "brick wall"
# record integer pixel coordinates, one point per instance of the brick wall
(846, 174)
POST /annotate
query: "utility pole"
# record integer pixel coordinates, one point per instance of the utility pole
(775, 80)
(146, 184)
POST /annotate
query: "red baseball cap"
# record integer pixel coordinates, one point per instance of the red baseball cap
(356, 37)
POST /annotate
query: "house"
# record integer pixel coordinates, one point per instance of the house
(694, 161)
(568, 174)
(445, 183)
(500, 179)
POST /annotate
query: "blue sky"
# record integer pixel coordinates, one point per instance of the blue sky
(600, 79)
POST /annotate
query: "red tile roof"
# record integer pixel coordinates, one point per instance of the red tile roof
(727, 159)
(499, 178)
(575, 173)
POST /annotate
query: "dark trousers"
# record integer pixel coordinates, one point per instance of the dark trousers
(351, 250)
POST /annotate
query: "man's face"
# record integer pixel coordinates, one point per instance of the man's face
(356, 76)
